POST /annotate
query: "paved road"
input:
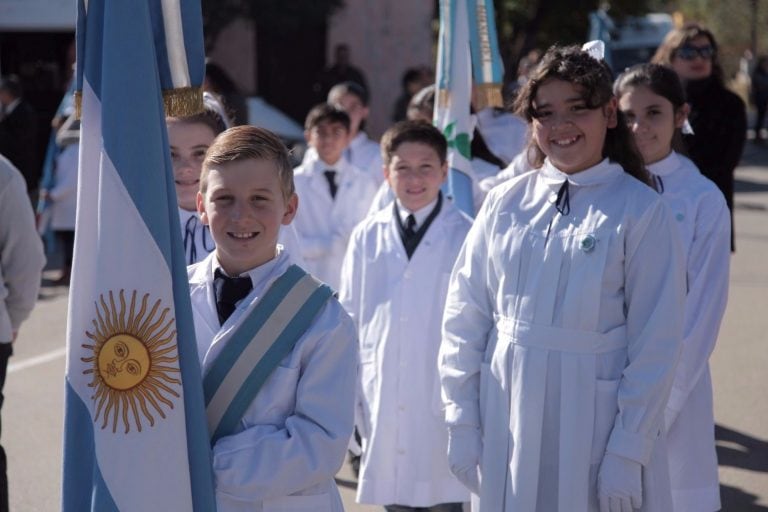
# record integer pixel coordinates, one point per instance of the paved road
(33, 409)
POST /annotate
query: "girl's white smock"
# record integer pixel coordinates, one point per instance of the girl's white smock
(702, 218)
(561, 333)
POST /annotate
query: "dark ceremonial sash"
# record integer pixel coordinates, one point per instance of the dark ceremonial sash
(257, 346)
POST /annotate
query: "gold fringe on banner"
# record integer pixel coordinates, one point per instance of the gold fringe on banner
(183, 102)
(487, 95)
(443, 97)
(186, 101)
(78, 104)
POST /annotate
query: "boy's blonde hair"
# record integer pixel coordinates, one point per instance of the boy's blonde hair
(244, 142)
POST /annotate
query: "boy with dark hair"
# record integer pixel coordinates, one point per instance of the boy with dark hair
(362, 152)
(278, 352)
(394, 285)
(335, 195)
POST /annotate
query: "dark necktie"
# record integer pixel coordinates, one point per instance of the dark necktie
(229, 291)
(330, 175)
(410, 225)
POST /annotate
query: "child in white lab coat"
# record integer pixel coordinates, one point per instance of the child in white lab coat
(278, 352)
(362, 152)
(189, 138)
(334, 194)
(653, 101)
(564, 314)
(394, 282)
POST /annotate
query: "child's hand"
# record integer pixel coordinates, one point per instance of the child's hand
(619, 487)
(465, 446)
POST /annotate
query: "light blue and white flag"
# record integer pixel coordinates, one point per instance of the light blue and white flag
(467, 48)
(135, 428)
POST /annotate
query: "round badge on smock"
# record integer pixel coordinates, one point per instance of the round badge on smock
(588, 243)
(679, 217)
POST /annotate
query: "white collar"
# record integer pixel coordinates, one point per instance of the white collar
(319, 166)
(185, 215)
(666, 165)
(420, 215)
(359, 139)
(602, 172)
(259, 275)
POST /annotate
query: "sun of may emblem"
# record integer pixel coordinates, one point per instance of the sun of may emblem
(133, 363)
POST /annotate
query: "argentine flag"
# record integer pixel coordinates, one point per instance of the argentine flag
(135, 436)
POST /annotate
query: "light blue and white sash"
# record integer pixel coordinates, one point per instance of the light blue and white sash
(255, 349)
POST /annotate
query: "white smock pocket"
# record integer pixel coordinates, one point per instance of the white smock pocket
(606, 408)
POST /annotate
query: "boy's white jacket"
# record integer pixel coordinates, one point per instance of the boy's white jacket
(362, 152)
(295, 433)
(561, 334)
(702, 218)
(397, 305)
(324, 224)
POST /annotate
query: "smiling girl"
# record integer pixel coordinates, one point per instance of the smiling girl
(564, 314)
(189, 139)
(652, 100)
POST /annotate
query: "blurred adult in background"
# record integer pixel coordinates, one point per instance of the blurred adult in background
(218, 82)
(21, 267)
(362, 152)
(414, 79)
(524, 67)
(342, 70)
(760, 94)
(62, 196)
(718, 116)
(18, 127)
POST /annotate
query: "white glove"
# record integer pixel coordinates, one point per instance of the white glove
(619, 484)
(464, 449)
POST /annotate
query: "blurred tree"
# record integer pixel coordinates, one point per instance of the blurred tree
(291, 39)
(737, 25)
(527, 24)
(289, 16)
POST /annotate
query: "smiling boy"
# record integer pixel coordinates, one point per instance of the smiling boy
(335, 195)
(278, 352)
(394, 285)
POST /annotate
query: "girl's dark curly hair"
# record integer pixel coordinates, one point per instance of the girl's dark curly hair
(595, 81)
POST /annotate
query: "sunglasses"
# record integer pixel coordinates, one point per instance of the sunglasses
(691, 52)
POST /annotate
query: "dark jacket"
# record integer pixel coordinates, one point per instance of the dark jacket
(719, 121)
(18, 142)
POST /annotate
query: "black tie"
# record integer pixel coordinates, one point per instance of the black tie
(330, 175)
(410, 224)
(229, 291)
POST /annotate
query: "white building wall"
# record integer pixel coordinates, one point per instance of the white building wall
(385, 37)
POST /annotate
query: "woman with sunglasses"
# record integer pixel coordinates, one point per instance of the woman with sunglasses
(718, 116)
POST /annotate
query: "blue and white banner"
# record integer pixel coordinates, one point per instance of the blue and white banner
(454, 90)
(487, 67)
(135, 434)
